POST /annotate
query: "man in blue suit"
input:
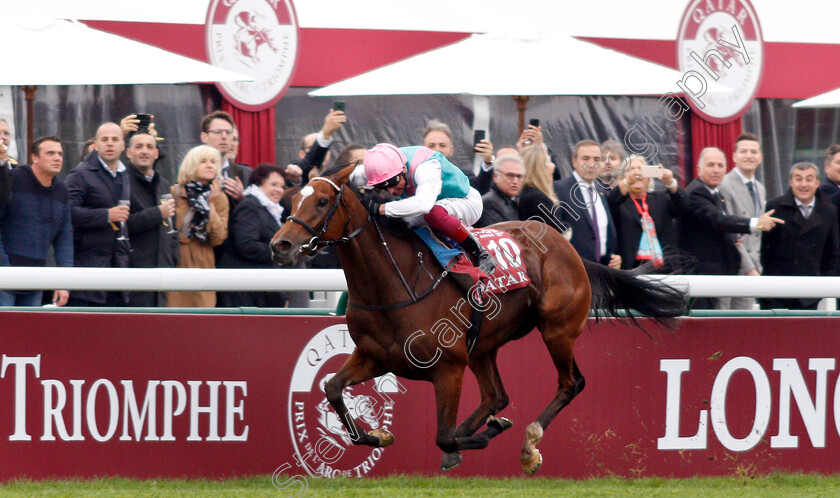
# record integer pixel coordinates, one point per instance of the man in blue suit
(583, 207)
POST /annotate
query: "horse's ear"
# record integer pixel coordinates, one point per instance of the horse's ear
(343, 175)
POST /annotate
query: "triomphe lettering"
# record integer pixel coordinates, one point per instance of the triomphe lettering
(211, 409)
(234, 411)
(20, 363)
(170, 388)
(113, 410)
(138, 416)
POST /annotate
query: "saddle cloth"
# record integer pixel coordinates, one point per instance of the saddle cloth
(510, 273)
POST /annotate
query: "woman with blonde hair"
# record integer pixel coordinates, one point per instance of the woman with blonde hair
(537, 197)
(201, 210)
(644, 218)
(539, 170)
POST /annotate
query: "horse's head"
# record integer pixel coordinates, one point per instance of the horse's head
(320, 217)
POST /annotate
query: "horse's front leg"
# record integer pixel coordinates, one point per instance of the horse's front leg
(355, 370)
(448, 396)
(493, 400)
(493, 396)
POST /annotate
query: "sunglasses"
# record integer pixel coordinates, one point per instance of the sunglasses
(391, 182)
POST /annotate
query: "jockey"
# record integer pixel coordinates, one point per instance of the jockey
(431, 189)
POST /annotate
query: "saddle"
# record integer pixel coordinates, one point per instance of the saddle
(509, 274)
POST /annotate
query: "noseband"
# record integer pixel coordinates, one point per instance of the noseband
(315, 242)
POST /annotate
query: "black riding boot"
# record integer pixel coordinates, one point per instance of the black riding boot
(482, 259)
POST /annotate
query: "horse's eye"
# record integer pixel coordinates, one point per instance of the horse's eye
(322, 202)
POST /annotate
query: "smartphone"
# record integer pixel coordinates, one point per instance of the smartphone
(338, 106)
(652, 171)
(534, 122)
(478, 136)
(145, 120)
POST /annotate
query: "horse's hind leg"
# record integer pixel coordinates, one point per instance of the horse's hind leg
(569, 383)
(355, 370)
(493, 400)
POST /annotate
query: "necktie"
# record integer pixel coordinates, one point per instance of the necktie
(754, 195)
(719, 201)
(593, 198)
(806, 211)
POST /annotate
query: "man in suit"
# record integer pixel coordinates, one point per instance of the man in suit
(96, 188)
(830, 186)
(583, 207)
(217, 130)
(745, 196)
(808, 243)
(709, 233)
(831, 183)
(502, 201)
(154, 243)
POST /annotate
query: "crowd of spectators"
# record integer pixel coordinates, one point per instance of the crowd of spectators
(115, 210)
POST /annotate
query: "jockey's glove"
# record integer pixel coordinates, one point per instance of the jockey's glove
(372, 205)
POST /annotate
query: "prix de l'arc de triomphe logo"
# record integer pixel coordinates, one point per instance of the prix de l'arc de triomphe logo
(720, 40)
(254, 37)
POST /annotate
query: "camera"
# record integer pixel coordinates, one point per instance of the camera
(338, 106)
(534, 122)
(478, 136)
(145, 121)
(652, 171)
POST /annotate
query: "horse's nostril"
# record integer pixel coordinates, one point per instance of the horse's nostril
(281, 246)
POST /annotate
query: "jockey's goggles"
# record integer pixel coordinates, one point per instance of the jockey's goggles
(391, 182)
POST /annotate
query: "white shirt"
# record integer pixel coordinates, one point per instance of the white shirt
(810, 205)
(120, 167)
(586, 190)
(429, 184)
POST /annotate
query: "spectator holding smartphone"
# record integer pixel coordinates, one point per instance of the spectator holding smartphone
(315, 149)
(644, 216)
(438, 137)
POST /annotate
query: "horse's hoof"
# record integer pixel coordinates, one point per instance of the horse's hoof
(501, 424)
(532, 465)
(385, 437)
(450, 460)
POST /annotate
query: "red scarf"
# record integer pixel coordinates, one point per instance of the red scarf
(649, 248)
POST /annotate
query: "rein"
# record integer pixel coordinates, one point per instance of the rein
(413, 297)
(315, 242)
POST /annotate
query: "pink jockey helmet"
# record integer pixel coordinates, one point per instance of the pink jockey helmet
(383, 162)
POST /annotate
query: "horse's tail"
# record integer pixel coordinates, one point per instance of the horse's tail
(619, 293)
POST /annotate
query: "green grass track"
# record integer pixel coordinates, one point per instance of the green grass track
(398, 486)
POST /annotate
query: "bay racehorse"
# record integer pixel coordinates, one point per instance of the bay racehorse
(396, 289)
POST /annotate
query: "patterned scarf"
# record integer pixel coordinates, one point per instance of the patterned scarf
(649, 248)
(198, 195)
(274, 209)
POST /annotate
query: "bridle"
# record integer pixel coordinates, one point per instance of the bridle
(316, 242)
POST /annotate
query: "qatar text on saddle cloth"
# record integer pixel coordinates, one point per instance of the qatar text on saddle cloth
(509, 274)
